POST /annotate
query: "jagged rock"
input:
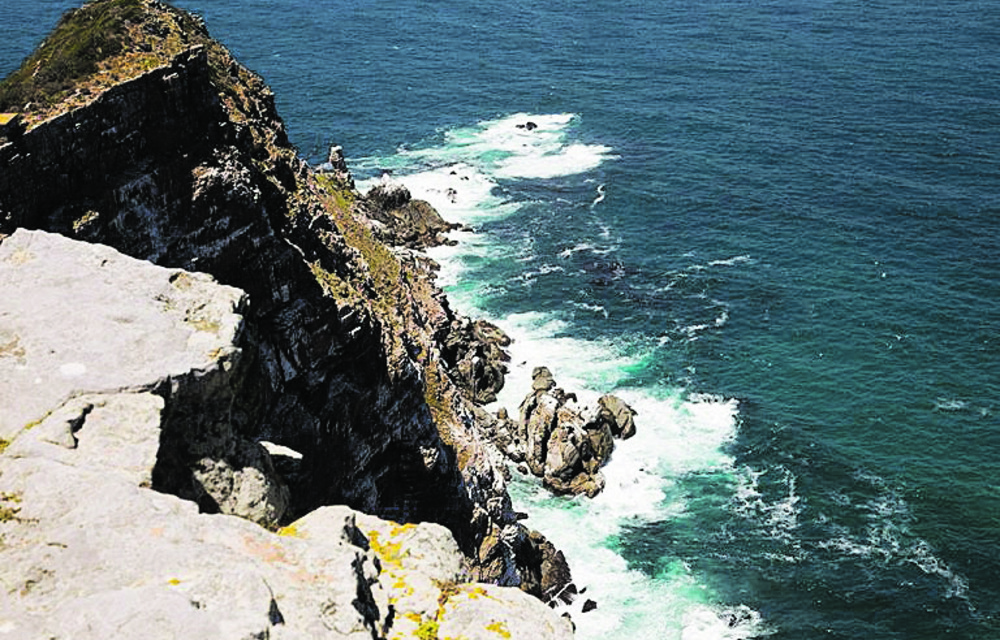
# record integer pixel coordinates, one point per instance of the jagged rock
(338, 166)
(89, 554)
(618, 415)
(90, 545)
(541, 379)
(388, 194)
(588, 484)
(551, 581)
(564, 445)
(416, 560)
(405, 221)
(474, 351)
(598, 445)
(538, 415)
(510, 436)
(134, 326)
(563, 456)
(487, 613)
(287, 462)
(183, 161)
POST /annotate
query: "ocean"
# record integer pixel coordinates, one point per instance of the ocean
(769, 225)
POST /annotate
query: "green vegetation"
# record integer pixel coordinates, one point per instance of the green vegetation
(104, 43)
(331, 283)
(83, 38)
(4, 444)
(383, 266)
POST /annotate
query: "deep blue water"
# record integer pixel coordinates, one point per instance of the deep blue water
(772, 226)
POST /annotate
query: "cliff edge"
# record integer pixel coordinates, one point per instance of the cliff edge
(134, 387)
(136, 130)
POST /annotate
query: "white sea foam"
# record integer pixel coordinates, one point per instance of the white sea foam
(678, 434)
(694, 331)
(505, 148)
(886, 538)
(542, 162)
(729, 262)
(601, 193)
(583, 246)
(595, 308)
(949, 404)
(779, 517)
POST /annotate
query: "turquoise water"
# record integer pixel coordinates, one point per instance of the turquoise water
(771, 226)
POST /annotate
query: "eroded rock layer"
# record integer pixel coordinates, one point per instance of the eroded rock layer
(169, 150)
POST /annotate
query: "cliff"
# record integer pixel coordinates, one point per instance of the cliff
(140, 132)
(136, 385)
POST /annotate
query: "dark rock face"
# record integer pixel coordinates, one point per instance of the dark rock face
(402, 220)
(551, 577)
(564, 445)
(338, 166)
(474, 352)
(352, 353)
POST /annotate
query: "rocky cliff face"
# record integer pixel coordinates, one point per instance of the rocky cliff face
(131, 370)
(172, 152)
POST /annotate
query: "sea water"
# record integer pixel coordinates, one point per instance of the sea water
(769, 226)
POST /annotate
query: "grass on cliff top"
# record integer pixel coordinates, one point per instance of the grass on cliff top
(94, 47)
(81, 40)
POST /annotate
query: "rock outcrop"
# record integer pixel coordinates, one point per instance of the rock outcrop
(474, 352)
(404, 221)
(81, 319)
(561, 443)
(170, 151)
(119, 383)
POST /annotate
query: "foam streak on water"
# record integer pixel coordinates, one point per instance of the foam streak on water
(464, 175)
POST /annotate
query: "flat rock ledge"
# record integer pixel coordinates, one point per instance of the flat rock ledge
(116, 379)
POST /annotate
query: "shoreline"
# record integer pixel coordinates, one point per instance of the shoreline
(639, 485)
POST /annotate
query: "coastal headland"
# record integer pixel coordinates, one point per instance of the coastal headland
(233, 401)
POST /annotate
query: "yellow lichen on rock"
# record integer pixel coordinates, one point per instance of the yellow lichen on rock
(10, 507)
(388, 551)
